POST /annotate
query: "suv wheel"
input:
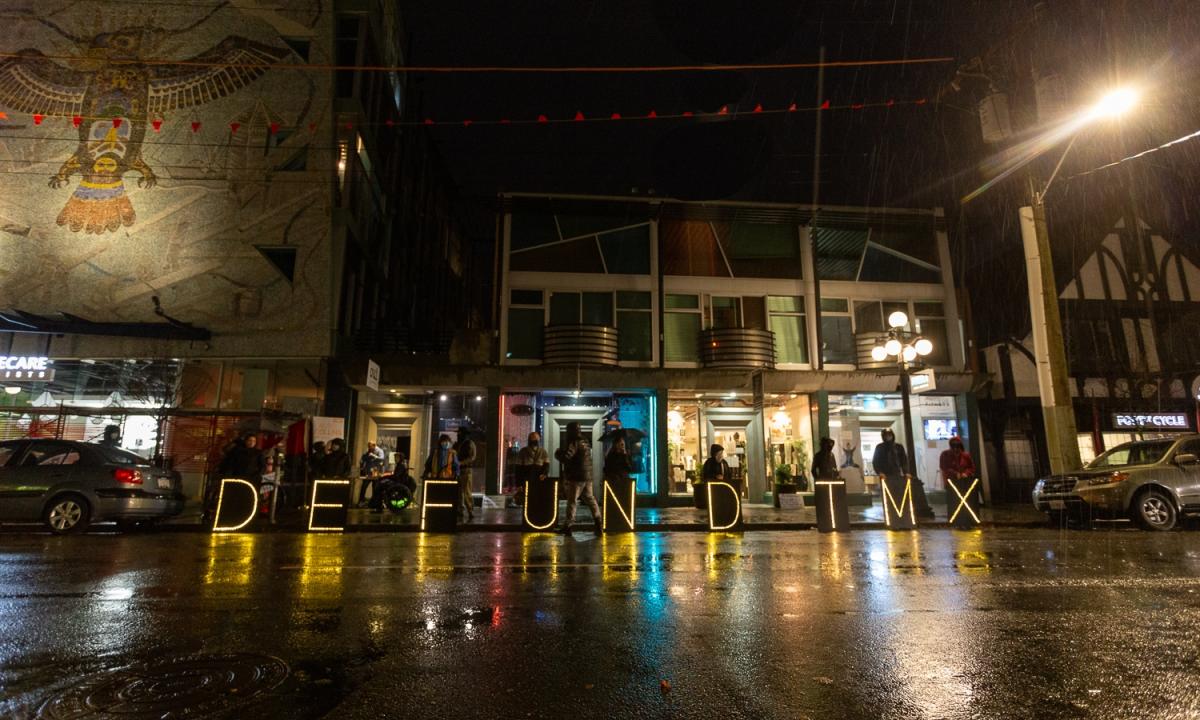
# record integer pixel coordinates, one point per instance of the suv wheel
(1153, 510)
(67, 514)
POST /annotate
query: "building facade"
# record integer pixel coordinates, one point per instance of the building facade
(200, 219)
(695, 324)
(1131, 315)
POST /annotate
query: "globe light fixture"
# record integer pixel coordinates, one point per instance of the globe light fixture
(923, 346)
(878, 354)
(892, 346)
(897, 319)
(909, 353)
(12, 390)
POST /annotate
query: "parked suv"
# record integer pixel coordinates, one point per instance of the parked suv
(68, 485)
(1152, 482)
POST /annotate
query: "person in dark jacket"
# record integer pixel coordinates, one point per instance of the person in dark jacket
(316, 460)
(337, 461)
(243, 460)
(576, 459)
(825, 465)
(715, 468)
(617, 465)
(890, 460)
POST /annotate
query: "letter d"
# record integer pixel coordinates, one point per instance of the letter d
(237, 502)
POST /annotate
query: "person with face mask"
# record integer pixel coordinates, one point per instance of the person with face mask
(576, 459)
(442, 463)
(533, 462)
(956, 463)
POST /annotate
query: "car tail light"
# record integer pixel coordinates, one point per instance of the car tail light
(127, 476)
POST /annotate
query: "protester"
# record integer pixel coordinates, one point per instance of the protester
(956, 463)
(533, 462)
(465, 450)
(825, 465)
(576, 458)
(336, 463)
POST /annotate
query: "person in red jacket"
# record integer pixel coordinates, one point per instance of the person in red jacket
(956, 463)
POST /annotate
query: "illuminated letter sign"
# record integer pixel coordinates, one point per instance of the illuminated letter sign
(900, 515)
(237, 503)
(439, 506)
(833, 512)
(623, 521)
(541, 504)
(724, 506)
(1157, 421)
(21, 368)
(962, 502)
(327, 511)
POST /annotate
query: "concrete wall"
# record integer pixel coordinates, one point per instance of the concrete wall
(190, 236)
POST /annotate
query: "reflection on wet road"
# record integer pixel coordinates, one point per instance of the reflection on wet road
(940, 624)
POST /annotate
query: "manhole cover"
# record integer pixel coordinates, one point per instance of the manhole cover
(195, 686)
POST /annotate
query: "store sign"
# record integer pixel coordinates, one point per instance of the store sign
(26, 368)
(373, 375)
(922, 381)
(1150, 421)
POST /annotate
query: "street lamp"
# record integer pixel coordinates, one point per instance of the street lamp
(906, 347)
(1058, 414)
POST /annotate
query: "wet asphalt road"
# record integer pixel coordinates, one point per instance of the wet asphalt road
(990, 624)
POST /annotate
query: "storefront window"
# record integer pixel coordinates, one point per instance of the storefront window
(856, 423)
(789, 430)
(600, 414)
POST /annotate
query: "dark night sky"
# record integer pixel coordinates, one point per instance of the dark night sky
(905, 156)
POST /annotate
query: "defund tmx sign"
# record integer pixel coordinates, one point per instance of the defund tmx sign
(1137, 421)
(26, 368)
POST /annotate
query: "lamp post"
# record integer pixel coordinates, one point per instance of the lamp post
(1058, 413)
(906, 347)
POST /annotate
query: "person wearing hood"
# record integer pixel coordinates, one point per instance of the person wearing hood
(825, 465)
(442, 463)
(956, 463)
(533, 462)
(891, 463)
(576, 459)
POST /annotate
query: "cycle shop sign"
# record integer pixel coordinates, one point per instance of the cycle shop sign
(18, 368)
(1150, 421)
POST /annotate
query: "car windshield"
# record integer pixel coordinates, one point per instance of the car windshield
(1134, 453)
(120, 457)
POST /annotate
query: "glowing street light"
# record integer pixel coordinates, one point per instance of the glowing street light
(878, 353)
(1114, 104)
(923, 346)
(892, 346)
(897, 320)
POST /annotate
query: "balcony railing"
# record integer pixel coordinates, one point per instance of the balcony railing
(737, 348)
(579, 345)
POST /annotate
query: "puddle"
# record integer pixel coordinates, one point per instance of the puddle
(192, 686)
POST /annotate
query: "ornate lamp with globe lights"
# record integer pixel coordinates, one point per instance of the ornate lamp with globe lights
(905, 349)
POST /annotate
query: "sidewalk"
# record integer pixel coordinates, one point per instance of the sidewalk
(756, 517)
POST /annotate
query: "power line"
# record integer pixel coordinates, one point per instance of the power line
(1176, 141)
(544, 69)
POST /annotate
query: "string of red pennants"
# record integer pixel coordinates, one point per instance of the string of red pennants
(541, 119)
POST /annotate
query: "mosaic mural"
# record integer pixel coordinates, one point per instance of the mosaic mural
(169, 150)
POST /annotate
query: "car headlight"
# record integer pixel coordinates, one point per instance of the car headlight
(1112, 479)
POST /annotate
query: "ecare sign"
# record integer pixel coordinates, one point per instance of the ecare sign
(1150, 421)
(26, 368)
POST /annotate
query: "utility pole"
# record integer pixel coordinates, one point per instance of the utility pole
(1058, 414)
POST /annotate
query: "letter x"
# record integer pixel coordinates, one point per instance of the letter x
(962, 500)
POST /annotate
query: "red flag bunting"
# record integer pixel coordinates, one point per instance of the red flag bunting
(467, 123)
(578, 116)
(724, 110)
(687, 113)
(37, 119)
(652, 114)
(758, 108)
(825, 105)
(389, 122)
(233, 127)
(857, 106)
(505, 121)
(274, 128)
(157, 124)
(428, 121)
(195, 127)
(3, 116)
(615, 116)
(77, 121)
(543, 118)
(890, 102)
(919, 102)
(792, 107)
(116, 122)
